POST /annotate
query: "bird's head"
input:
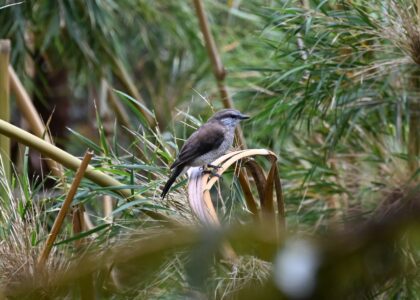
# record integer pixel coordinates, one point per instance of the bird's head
(229, 117)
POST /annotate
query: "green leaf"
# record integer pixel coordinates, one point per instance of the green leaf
(129, 205)
(127, 99)
(84, 234)
(86, 141)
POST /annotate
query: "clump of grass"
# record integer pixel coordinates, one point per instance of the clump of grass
(249, 271)
(23, 227)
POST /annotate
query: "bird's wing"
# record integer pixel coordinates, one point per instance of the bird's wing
(207, 138)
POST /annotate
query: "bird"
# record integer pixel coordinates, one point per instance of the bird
(210, 141)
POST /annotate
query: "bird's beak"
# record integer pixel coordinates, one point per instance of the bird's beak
(244, 117)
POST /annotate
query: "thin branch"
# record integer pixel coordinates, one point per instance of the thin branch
(218, 68)
(219, 71)
(64, 209)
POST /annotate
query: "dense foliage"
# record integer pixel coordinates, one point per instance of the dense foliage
(332, 87)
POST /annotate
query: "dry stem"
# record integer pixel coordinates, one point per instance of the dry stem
(64, 209)
(218, 68)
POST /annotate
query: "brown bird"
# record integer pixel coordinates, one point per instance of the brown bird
(212, 140)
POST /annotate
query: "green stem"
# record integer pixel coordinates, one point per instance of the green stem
(4, 102)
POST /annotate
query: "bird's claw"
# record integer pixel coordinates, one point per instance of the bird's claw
(214, 166)
(217, 175)
(212, 173)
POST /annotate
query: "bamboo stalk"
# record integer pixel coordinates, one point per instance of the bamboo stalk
(30, 114)
(71, 162)
(27, 108)
(5, 103)
(64, 209)
(219, 71)
(57, 154)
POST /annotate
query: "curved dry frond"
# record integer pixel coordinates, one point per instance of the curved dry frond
(200, 184)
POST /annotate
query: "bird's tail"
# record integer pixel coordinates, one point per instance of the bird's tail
(178, 170)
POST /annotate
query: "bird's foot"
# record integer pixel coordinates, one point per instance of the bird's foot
(212, 173)
(214, 166)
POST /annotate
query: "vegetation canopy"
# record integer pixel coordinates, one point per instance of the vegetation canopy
(318, 199)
